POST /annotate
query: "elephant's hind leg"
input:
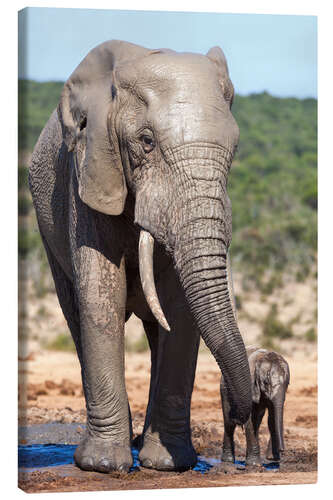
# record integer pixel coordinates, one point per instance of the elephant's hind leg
(167, 443)
(151, 330)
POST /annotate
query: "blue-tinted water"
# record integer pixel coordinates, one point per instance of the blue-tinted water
(202, 466)
(268, 465)
(240, 462)
(272, 466)
(45, 455)
(49, 455)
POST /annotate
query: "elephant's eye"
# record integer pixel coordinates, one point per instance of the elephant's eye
(148, 143)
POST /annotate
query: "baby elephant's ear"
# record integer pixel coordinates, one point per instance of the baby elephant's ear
(287, 374)
(86, 111)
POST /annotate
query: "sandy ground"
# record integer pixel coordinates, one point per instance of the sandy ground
(50, 391)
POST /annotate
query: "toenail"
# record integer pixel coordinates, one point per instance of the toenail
(104, 465)
(167, 462)
(123, 468)
(147, 463)
(87, 463)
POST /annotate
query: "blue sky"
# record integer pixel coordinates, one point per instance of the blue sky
(276, 53)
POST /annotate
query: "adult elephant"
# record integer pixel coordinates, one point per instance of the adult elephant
(137, 156)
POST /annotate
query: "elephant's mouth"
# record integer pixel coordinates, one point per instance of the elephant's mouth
(146, 251)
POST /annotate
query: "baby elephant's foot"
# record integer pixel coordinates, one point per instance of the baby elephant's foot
(103, 455)
(273, 457)
(160, 455)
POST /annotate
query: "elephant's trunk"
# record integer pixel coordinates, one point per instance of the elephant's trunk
(198, 235)
(201, 260)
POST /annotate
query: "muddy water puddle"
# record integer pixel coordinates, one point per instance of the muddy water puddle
(53, 445)
(46, 464)
(38, 456)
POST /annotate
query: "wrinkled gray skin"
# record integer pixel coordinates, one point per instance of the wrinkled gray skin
(142, 139)
(270, 379)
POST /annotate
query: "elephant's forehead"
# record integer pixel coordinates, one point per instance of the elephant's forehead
(170, 72)
(168, 66)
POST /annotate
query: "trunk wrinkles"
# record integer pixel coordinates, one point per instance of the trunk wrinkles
(204, 279)
(202, 237)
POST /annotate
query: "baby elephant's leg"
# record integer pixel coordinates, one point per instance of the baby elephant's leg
(252, 435)
(274, 444)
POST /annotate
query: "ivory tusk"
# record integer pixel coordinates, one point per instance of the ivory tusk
(146, 250)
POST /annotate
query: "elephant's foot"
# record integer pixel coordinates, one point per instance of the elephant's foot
(103, 455)
(227, 456)
(253, 459)
(164, 454)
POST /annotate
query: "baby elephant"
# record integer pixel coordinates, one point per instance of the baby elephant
(270, 379)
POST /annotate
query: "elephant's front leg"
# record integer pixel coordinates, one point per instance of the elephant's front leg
(272, 452)
(167, 441)
(101, 289)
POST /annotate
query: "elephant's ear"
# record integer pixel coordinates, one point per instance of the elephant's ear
(217, 56)
(86, 111)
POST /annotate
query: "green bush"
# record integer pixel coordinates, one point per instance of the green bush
(269, 286)
(272, 327)
(23, 177)
(273, 186)
(238, 301)
(140, 345)
(63, 342)
(42, 312)
(269, 344)
(311, 335)
(35, 105)
(28, 241)
(24, 204)
(302, 274)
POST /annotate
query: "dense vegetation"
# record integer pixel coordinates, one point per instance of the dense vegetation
(36, 101)
(273, 181)
(273, 186)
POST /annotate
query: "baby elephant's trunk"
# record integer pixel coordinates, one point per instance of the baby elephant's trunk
(278, 420)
